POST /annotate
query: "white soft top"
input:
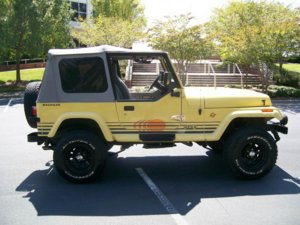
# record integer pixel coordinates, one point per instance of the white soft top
(93, 50)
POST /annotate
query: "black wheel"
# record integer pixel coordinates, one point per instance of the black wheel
(30, 97)
(250, 153)
(216, 147)
(80, 157)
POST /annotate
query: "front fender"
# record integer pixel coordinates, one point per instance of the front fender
(259, 113)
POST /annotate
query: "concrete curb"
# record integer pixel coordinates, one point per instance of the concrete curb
(9, 95)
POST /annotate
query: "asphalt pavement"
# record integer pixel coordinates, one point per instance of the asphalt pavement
(170, 186)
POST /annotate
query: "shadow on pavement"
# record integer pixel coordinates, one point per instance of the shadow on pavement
(185, 180)
(291, 106)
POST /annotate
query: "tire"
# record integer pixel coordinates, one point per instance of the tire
(250, 153)
(30, 97)
(216, 147)
(79, 157)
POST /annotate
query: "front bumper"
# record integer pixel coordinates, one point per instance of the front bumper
(278, 127)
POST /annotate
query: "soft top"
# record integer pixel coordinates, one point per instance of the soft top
(93, 50)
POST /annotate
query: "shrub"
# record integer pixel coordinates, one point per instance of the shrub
(283, 91)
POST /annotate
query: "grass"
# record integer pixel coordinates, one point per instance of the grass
(7, 79)
(26, 75)
(293, 67)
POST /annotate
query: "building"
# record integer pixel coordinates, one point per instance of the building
(82, 9)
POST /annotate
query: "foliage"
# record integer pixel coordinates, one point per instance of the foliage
(185, 43)
(131, 10)
(255, 31)
(31, 27)
(294, 59)
(283, 91)
(108, 30)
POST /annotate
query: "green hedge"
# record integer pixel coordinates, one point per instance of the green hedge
(283, 91)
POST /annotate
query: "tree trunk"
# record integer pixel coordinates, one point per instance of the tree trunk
(18, 73)
(280, 67)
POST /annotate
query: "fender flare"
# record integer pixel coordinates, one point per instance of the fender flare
(80, 115)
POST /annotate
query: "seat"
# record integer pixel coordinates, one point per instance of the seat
(121, 89)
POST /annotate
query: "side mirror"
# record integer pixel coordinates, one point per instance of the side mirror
(176, 93)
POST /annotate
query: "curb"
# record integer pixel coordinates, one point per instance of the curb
(9, 95)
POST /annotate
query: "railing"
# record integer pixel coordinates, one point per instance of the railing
(202, 73)
(24, 61)
(214, 73)
(242, 75)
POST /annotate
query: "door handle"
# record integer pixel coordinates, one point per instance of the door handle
(128, 108)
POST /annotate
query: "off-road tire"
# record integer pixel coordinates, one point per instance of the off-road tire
(216, 147)
(250, 153)
(30, 97)
(80, 156)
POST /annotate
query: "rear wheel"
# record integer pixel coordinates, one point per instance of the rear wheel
(80, 156)
(250, 153)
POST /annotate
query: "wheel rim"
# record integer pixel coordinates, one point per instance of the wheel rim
(79, 159)
(254, 156)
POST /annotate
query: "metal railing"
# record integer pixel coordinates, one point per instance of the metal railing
(24, 61)
(242, 75)
(214, 73)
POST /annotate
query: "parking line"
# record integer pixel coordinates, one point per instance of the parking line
(8, 105)
(162, 198)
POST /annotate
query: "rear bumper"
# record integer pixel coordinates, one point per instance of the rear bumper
(33, 137)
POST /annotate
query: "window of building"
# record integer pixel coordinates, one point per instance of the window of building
(79, 10)
(83, 75)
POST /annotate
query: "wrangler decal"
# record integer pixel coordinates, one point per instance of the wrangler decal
(154, 125)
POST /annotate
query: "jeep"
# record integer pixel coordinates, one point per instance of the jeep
(83, 107)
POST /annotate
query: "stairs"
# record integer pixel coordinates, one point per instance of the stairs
(199, 74)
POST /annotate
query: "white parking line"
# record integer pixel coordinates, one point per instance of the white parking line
(8, 104)
(162, 198)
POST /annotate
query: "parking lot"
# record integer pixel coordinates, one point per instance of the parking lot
(182, 185)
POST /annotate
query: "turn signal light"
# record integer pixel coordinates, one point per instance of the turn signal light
(267, 110)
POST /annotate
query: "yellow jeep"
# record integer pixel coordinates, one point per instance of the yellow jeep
(82, 108)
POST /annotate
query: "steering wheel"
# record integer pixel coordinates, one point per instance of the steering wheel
(156, 83)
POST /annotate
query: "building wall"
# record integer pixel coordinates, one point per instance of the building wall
(82, 8)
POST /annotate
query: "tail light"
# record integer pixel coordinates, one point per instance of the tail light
(34, 111)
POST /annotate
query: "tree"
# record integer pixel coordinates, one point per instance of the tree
(32, 27)
(108, 30)
(131, 10)
(255, 32)
(184, 43)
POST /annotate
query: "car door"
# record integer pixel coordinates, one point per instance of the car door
(153, 121)
(150, 112)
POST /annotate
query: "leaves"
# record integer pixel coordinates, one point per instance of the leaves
(31, 27)
(130, 10)
(108, 30)
(255, 31)
(184, 43)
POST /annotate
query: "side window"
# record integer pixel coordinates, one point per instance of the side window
(83, 75)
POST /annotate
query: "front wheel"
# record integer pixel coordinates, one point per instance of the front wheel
(251, 153)
(79, 157)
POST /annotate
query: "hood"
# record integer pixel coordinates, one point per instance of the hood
(228, 97)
